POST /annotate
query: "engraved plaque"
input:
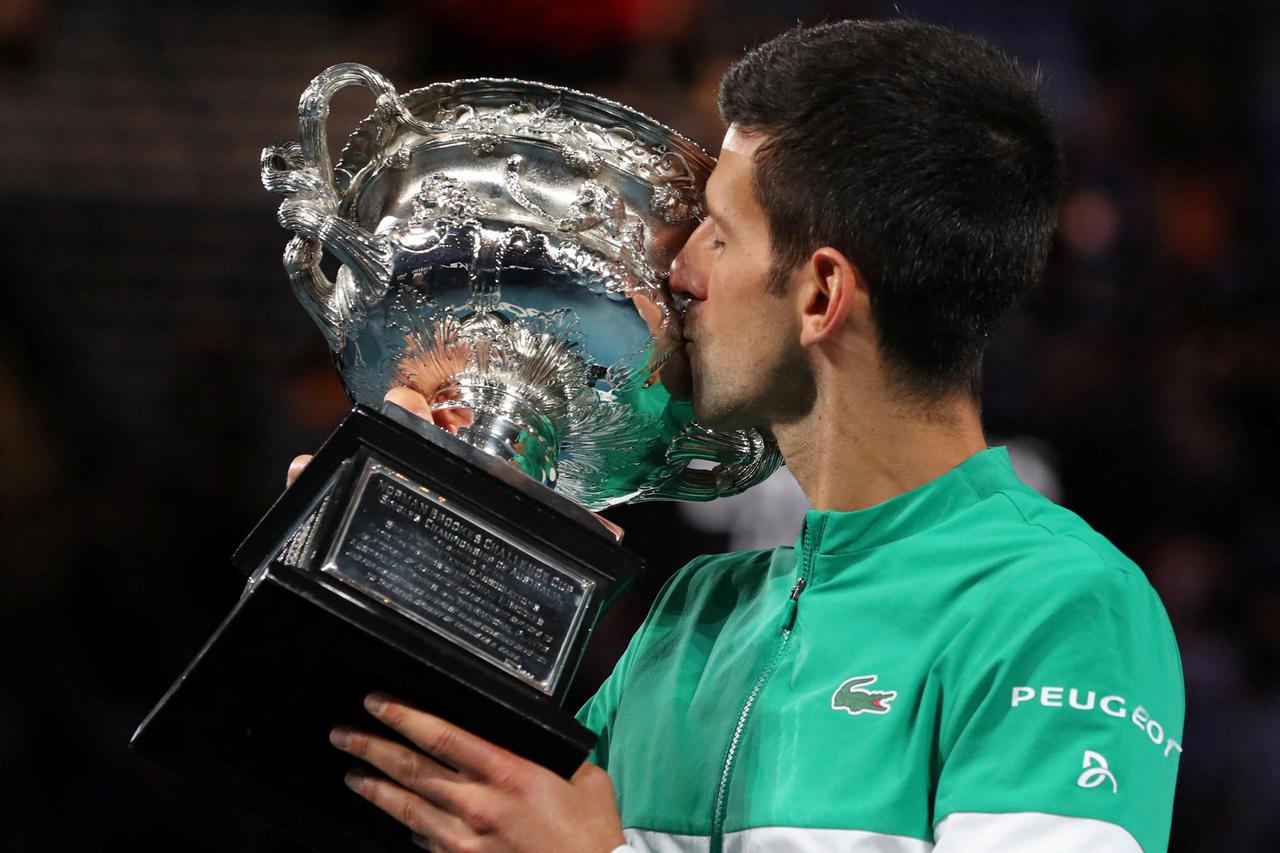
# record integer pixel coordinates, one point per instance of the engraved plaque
(440, 565)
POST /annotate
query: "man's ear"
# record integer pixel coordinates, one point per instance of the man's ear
(832, 293)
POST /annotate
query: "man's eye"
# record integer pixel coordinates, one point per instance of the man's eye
(717, 244)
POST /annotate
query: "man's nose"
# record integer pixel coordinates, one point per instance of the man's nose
(688, 270)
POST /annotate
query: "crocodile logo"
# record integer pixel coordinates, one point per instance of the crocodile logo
(851, 697)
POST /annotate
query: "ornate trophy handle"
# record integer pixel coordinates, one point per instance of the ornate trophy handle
(303, 174)
(313, 109)
(743, 458)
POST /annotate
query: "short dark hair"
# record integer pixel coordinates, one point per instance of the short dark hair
(925, 157)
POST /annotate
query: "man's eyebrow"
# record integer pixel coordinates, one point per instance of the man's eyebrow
(721, 222)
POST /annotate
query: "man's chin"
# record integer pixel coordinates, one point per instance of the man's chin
(726, 418)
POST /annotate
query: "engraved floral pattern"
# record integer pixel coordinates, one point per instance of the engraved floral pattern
(440, 195)
(585, 147)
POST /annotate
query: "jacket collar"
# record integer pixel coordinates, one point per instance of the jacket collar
(912, 512)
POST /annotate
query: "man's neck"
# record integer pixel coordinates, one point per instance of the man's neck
(855, 449)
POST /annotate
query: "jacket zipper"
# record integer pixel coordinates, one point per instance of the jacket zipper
(784, 637)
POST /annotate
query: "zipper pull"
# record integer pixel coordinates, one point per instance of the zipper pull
(793, 604)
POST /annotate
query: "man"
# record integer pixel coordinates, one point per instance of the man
(946, 661)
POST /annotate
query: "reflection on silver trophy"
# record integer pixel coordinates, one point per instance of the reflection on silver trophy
(503, 249)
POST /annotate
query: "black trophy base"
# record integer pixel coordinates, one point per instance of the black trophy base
(250, 718)
(251, 715)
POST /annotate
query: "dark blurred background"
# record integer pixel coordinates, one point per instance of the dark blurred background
(156, 374)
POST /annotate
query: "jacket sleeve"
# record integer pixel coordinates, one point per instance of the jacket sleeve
(1062, 720)
(599, 711)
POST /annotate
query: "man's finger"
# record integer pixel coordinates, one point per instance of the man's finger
(410, 400)
(444, 741)
(295, 468)
(453, 420)
(425, 819)
(615, 529)
(411, 769)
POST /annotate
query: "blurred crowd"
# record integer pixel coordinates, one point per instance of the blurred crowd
(156, 374)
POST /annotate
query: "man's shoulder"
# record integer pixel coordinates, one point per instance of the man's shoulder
(1052, 587)
(1042, 544)
(1043, 561)
(1054, 525)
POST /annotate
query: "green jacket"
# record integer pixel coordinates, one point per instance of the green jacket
(966, 665)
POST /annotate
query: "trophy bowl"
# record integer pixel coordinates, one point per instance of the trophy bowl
(504, 249)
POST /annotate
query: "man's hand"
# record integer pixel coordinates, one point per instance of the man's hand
(448, 419)
(462, 793)
(410, 400)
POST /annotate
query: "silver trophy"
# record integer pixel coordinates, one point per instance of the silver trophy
(504, 249)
